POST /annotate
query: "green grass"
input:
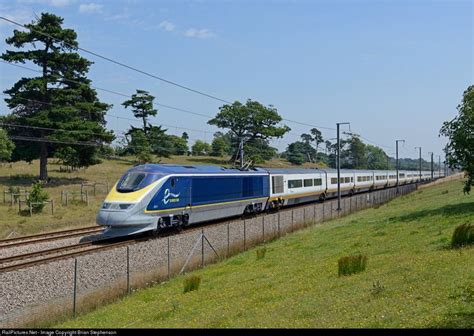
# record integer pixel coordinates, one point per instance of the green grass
(76, 214)
(413, 279)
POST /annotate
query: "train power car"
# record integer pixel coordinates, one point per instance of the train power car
(152, 197)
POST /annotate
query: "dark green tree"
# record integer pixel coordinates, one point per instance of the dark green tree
(141, 104)
(252, 123)
(315, 137)
(299, 152)
(179, 145)
(6, 146)
(460, 132)
(355, 156)
(376, 158)
(59, 103)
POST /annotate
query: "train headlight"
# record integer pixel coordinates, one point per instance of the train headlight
(125, 206)
(116, 206)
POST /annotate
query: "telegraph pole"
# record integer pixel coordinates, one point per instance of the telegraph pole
(397, 165)
(432, 167)
(338, 163)
(439, 166)
(420, 160)
(241, 152)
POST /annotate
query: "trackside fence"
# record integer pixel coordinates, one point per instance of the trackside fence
(67, 287)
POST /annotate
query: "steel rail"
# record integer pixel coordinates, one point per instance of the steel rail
(42, 237)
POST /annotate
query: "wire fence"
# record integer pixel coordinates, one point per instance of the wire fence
(72, 286)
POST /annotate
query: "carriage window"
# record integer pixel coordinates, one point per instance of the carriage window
(308, 183)
(352, 179)
(173, 182)
(347, 180)
(130, 182)
(295, 184)
(333, 180)
(318, 182)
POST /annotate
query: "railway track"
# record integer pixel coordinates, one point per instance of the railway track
(45, 256)
(50, 236)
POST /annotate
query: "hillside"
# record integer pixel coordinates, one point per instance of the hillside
(413, 278)
(76, 214)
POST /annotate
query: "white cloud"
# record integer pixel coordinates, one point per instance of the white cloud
(59, 3)
(166, 26)
(90, 8)
(118, 17)
(199, 33)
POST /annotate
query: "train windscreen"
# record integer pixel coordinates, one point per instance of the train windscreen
(136, 180)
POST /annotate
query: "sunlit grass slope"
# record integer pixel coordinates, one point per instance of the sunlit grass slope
(412, 279)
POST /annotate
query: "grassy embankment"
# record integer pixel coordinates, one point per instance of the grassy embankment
(413, 278)
(77, 214)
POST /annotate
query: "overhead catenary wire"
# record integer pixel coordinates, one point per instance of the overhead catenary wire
(226, 101)
(160, 78)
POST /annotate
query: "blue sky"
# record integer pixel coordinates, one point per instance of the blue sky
(394, 69)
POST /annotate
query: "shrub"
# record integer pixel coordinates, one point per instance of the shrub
(352, 264)
(37, 195)
(463, 235)
(14, 190)
(191, 283)
(261, 253)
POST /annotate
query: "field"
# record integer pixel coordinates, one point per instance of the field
(413, 277)
(76, 214)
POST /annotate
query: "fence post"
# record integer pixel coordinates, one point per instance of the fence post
(52, 207)
(245, 235)
(74, 298)
(169, 259)
(202, 247)
(31, 209)
(4, 196)
(228, 241)
(263, 229)
(94, 188)
(87, 198)
(292, 218)
(128, 270)
(324, 216)
(279, 233)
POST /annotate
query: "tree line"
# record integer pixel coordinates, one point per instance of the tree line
(58, 114)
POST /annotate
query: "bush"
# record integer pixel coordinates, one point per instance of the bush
(191, 283)
(463, 235)
(261, 253)
(37, 195)
(352, 264)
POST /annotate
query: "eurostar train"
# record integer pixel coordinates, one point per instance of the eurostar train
(152, 197)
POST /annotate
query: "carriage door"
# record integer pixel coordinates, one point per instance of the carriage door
(277, 185)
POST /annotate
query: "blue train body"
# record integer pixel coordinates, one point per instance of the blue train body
(156, 196)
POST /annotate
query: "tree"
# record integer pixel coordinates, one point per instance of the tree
(201, 148)
(179, 145)
(460, 132)
(139, 145)
(221, 144)
(299, 152)
(142, 107)
(355, 155)
(315, 137)
(252, 123)
(59, 104)
(185, 136)
(376, 158)
(6, 146)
